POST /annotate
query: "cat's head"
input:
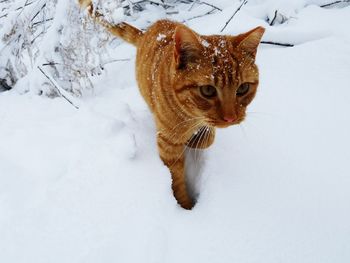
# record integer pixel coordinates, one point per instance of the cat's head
(215, 77)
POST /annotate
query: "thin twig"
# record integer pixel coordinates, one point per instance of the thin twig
(26, 4)
(334, 3)
(116, 60)
(164, 5)
(277, 43)
(40, 22)
(211, 5)
(239, 8)
(207, 13)
(18, 8)
(50, 64)
(43, 6)
(36, 37)
(274, 18)
(191, 7)
(185, 1)
(22, 8)
(60, 91)
(175, 12)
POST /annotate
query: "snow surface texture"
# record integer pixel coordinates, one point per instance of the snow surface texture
(87, 185)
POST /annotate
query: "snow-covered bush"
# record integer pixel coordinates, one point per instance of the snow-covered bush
(59, 38)
(53, 35)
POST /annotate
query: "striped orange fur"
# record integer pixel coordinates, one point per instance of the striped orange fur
(191, 83)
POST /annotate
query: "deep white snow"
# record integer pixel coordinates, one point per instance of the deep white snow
(87, 185)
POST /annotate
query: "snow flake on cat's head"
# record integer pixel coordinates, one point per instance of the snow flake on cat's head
(160, 37)
(221, 49)
(222, 43)
(217, 51)
(205, 43)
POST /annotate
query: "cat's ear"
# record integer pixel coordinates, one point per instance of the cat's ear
(249, 41)
(187, 47)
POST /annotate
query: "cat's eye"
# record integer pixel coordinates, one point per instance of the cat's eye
(208, 91)
(243, 89)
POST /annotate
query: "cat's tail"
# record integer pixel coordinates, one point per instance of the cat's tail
(123, 30)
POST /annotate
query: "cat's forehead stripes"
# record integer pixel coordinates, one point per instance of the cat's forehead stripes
(219, 51)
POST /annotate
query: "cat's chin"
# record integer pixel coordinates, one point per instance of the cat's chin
(221, 124)
(225, 125)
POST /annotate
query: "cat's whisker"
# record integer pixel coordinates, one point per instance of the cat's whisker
(179, 125)
(243, 131)
(180, 155)
(183, 134)
(209, 134)
(196, 127)
(196, 145)
(250, 113)
(209, 131)
(204, 141)
(203, 131)
(173, 132)
(185, 121)
(208, 123)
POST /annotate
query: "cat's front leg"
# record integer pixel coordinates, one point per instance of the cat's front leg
(172, 155)
(202, 139)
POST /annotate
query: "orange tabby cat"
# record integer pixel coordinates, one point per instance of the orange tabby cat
(191, 83)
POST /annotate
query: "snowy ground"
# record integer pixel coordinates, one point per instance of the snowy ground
(87, 185)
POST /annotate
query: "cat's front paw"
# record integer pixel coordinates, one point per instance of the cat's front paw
(184, 201)
(187, 206)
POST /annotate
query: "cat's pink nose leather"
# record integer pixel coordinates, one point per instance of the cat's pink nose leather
(229, 119)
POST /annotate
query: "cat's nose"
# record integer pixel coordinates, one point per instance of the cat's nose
(229, 119)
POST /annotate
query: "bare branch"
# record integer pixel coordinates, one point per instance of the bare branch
(274, 18)
(334, 3)
(43, 6)
(116, 60)
(51, 63)
(207, 13)
(193, 4)
(277, 43)
(213, 6)
(59, 90)
(239, 8)
(43, 21)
